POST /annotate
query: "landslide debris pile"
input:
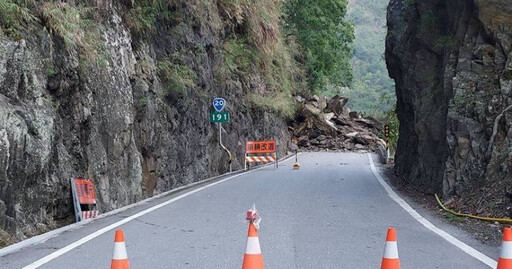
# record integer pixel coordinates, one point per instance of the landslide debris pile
(328, 124)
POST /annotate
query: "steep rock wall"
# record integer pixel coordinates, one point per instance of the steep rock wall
(114, 120)
(452, 63)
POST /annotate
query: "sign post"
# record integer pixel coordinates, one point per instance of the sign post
(220, 117)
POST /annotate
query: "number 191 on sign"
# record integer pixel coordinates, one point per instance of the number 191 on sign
(220, 117)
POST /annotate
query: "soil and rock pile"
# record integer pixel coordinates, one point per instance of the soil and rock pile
(328, 124)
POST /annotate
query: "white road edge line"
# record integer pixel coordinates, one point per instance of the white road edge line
(446, 236)
(38, 239)
(88, 238)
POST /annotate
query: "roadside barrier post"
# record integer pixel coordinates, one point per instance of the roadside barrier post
(296, 166)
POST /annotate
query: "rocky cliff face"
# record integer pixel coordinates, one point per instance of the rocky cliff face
(452, 63)
(130, 113)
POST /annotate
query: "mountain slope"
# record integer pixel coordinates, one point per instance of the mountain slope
(120, 91)
(372, 91)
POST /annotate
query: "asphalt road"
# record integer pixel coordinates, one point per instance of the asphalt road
(333, 213)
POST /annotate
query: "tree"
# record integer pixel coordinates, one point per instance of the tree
(325, 37)
(372, 91)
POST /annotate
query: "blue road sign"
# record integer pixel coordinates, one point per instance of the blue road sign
(219, 104)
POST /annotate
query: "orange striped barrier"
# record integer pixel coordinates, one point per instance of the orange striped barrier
(260, 152)
(505, 261)
(120, 257)
(84, 198)
(89, 214)
(260, 159)
(390, 259)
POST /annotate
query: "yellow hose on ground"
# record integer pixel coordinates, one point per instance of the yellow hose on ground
(470, 216)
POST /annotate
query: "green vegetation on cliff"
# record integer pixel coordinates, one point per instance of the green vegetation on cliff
(13, 13)
(372, 91)
(284, 46)
(255, 50)
(326, 38)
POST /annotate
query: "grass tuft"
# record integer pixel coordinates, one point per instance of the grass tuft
(78, 29)
(13, 14)
(239, 56)
(256, 47)
(176, 77)
(145, 15)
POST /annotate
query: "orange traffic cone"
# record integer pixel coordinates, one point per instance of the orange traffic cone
(390, 259)
(253, 258)
(505, 261)
(120, 258)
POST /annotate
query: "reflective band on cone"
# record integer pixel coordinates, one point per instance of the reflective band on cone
(390, 259)
(505, 261)
(253, 258)
(120, 257)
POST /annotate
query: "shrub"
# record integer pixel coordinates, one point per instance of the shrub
(13, 13)
(239, 56)
(258, 20)
(176, 77)
(280, 102)
(77, 27)
(429, 23)
(326, 38)
(256, 47)
(145, 14)
(449, 42)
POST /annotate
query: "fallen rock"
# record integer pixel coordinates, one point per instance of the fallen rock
(328, 116)
(364, 139)
(353, 134)
(314, 117)
(328, 124)
(354, 115)
(344, 121)
(337, 105)
(312, 110)
(322, 103)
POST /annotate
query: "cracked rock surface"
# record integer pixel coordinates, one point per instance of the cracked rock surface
(110, 123)
(452, 64)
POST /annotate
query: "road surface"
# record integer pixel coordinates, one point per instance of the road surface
(333, 213)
